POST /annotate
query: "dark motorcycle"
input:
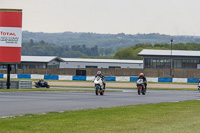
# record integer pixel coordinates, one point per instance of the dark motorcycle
(141, 87)
(42, 84)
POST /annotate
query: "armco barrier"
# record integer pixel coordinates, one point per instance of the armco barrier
(110, 78)
(24, 76)
(79, 77)
(164, 79)
(152, 79)
(64, 77)
(180, 80)
(25, 84)
(53, 77)
(13, 84)
(91, 78)
(37, 76)
(122, 78)
(133, 79)
(13, 76)
(16, 85)
(189, 80)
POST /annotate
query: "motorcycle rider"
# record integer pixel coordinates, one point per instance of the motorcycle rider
(39, 82)
(199, 83)
(102, 78)
(142, 76)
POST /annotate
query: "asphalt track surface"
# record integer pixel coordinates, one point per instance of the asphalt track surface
(20, 103)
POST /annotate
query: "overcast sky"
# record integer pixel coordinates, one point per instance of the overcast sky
(172, 17)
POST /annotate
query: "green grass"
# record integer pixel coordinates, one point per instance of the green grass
(179, 117)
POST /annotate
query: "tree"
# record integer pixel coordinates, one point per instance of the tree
(126, 53)
(109, 51)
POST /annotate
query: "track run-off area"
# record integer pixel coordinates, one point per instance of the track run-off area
(34, 102)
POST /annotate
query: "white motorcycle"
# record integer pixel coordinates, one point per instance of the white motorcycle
(199, 87)
(99, 86)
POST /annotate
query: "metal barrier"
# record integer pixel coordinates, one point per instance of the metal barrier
(25, 85)
(16, 85)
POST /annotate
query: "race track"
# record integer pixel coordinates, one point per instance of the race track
(20, 103)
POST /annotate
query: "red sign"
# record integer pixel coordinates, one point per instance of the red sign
(10, 35)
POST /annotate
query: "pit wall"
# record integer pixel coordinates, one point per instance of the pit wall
(91, 78)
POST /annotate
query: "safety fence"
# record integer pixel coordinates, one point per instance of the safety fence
(16, 84)
(91, 78)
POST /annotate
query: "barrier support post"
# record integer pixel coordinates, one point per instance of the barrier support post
(8, 77)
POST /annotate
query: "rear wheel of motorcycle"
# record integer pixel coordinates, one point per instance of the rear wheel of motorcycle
(138, 89)
(97, 90)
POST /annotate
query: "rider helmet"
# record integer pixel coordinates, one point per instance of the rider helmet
(141, 74)
(99, 73)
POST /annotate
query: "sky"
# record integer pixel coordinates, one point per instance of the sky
(171, 17)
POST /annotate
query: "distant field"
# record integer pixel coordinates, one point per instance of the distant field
(177, 117)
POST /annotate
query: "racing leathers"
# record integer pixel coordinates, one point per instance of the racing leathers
(144, 80)
(102, 78)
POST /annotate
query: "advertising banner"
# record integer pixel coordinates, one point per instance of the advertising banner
(10, 35)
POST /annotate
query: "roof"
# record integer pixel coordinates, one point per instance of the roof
(155, 52)
(39, 58)
(102, 60)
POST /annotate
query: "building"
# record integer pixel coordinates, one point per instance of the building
(175, 59)
(100, 63)
(29, 62)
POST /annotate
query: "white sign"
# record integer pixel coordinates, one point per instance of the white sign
(10, 36)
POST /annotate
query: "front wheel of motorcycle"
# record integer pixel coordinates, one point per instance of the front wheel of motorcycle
(97, 90)
(102, 92)
(138, 89)
(143, 91)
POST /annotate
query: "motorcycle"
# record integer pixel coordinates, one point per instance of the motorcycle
(198, 87)
(99, 86)
(42, 84)
(141, 87)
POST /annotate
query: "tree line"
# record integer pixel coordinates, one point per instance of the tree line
(114, 41)
(43, 48)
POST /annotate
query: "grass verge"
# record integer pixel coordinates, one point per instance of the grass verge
(179, 117)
